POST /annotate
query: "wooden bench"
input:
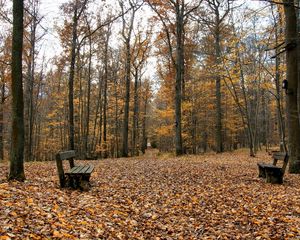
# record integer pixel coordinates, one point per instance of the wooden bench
(77, 177)
(271, 172)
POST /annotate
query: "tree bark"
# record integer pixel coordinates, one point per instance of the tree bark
(17, 135)
(292, 77)
(219, 137)
(179, 77)
(29, 87)
(105, 152)
(127, 39)
(71, 80)
(2, 121)
(89, 79)
(144, 125)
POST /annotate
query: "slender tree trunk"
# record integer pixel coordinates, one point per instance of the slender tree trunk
(144, 125)
(127, 100)
(98, 109)
(2, 121)
(117, 125)
(105, 153)
(219, 137)
(179, 78)
(135, 114)
(100, 128)
(71, 83)
(280, 116)
(87, 127)
(17, 136)
(292, 77)
(29, 93)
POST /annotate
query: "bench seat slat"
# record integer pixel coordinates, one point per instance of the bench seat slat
(269, 166)
(72, 169)
(83, 169)
(90, 169)
(265, 165)
(80, 169)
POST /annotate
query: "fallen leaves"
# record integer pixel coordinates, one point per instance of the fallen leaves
(192, 197)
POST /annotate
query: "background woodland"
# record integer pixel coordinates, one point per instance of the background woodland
(184, 76)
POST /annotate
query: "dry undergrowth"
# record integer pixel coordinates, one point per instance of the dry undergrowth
(192, 197)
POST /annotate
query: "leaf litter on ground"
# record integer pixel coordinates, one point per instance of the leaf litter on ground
(210, 196)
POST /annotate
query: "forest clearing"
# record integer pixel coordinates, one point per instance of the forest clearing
(170, 104)
(210, 196)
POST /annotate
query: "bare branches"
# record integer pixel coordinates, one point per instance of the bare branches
(154, 8)
(280, 3)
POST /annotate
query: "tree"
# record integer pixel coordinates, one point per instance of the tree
(140, 55)
(292, 49)
(17, 135)
(127, 28)
(181, 10)
(78, 8)
(31, 39)
(219, 10)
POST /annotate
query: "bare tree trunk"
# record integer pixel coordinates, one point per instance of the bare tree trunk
(116, 113)
(144, 125)
(17, 136)
(135, 114)
(292, 77)
(2, 121)
(71, 82)
(179, 77)
(105, 153)
(98, 109)
(29, 97)
(127, 39)
(280, 115)
(127, 100)
(219, 135)
(89, 79)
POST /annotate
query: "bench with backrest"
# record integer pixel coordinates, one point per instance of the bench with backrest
(76, 176)
(272, 172)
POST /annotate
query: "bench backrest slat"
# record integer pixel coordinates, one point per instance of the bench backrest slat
(285, 162)
(66, 155)
(279, 155)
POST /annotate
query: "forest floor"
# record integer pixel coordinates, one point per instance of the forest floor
(153, 197)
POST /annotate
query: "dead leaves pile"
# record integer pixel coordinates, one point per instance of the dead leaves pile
(192, 197)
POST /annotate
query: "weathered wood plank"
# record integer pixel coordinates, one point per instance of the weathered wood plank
(82, 169)
(60, 171)
(66, 154)
(90, 169)
(279, 155)
(73, 169)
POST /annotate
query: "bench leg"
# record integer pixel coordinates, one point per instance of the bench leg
(72, 181)
(274, 176)
(78, 182)
(261, 172)
(84, 185)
